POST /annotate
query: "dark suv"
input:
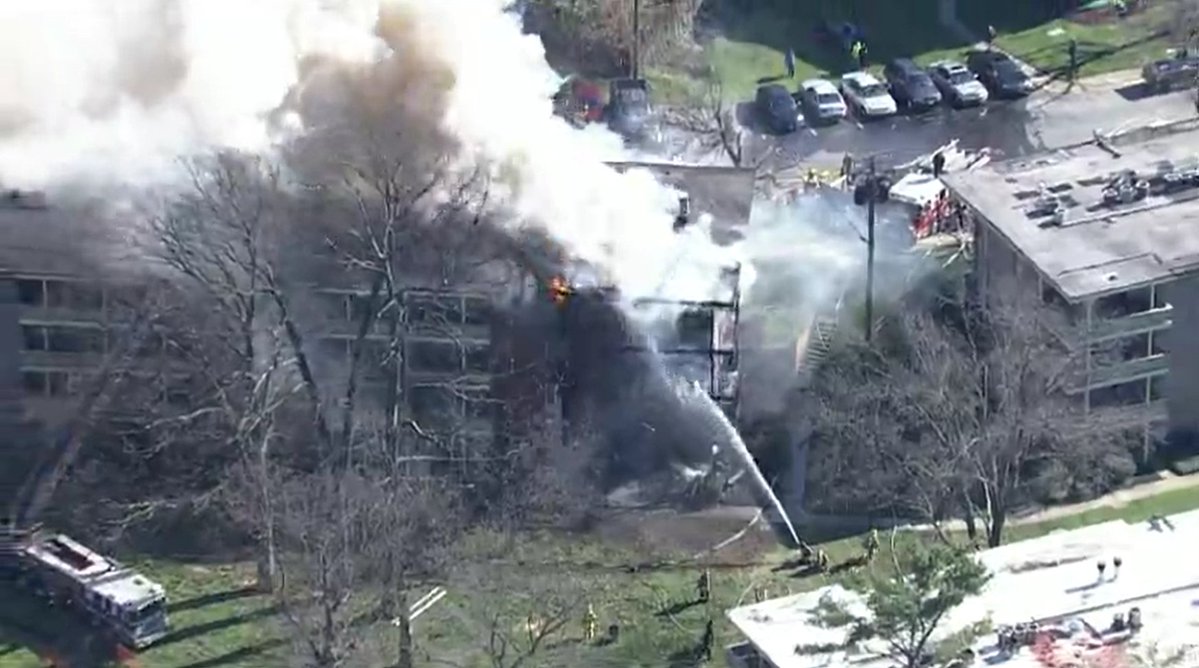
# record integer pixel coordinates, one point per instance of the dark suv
(910, 85)
(777, 109)
(999, 73)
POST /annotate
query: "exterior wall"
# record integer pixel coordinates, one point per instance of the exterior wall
(15, 448)
(1123, 336)
(1182, 343)
(52, 335)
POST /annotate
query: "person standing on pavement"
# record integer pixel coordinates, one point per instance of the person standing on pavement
(863, 50)
(991, 35)
(938, 164)
(705, 643)
(789, 63)
(1072, 49)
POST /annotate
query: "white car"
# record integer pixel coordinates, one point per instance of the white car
(867, 96)
(821, 100)
(957, 84)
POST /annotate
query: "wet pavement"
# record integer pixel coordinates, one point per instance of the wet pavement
(1051, 117)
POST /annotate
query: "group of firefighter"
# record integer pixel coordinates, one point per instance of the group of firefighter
(808, 557)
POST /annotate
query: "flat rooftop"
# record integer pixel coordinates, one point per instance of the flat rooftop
(1096, 249)
(1052, 580)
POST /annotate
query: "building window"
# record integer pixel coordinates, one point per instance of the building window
(57, 383)
(478, 359)
(695, 328)
(434, 357)
(1135, 347)
(35, 382)
(375, 362)
(35, 337)
(332, 305)
(1157, 387)
(1124, 303)
(362, 307)
(478, 405)
(31, 293)
(434, 310)
(74, 339)
(1122, 394)
(1157, 344)
(477, 311)
(334, 350)
(433, 406)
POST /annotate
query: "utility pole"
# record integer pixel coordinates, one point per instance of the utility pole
(636, 65)
(870, 189)
(873, 181)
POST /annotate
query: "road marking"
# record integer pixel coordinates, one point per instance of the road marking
(858, 123)
(812, 131)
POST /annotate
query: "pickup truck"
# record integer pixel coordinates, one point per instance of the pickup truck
(1162, 75)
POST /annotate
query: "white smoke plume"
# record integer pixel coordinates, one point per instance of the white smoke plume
(97, 92)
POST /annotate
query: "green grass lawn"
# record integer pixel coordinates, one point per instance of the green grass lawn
(216, 623)
(749, 47)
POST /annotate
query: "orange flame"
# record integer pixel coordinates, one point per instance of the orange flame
(560, 290)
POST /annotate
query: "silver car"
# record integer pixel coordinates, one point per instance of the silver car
(957, 84)
(822, 101)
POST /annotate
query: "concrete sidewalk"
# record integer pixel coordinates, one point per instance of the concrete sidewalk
(1164, 482)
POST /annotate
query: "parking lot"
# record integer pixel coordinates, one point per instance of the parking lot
(1047, 118)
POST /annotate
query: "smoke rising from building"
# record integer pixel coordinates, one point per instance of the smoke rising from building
(114, 93)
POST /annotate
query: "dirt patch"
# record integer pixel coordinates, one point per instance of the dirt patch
(670, 533)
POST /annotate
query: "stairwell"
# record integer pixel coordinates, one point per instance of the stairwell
(816, 345)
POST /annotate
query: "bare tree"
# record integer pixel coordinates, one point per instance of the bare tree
(966, 408)
(528, 623)
(323, 521)
(713, 120)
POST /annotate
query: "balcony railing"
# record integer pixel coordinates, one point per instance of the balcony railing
(1124, 372)
(1129, 325)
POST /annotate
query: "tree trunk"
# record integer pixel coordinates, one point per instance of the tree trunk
(968, 515)
(405, 635)
(998, 520)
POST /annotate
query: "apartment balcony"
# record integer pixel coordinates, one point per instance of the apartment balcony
(62, 315)
(1131, 325)
(1100, 420)
(1124, 372)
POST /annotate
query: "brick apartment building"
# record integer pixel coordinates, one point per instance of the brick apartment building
(1124, 277)
(465, 368)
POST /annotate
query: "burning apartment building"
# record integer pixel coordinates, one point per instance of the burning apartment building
(474, 364)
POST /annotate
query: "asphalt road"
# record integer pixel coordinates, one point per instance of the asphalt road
(1049, 118)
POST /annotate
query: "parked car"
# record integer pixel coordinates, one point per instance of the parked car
(999, 73)
(822, 101)
(628, 109)
(867, 96)
(911, 86)
(957, 84)
(1162, 75)
(777, 109)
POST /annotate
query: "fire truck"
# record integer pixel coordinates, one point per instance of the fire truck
(65, 573)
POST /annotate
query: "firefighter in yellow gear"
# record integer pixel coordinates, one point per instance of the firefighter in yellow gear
(822, 560)
(870, 543)
(532, 625)
(760, 593)
(590, 623)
